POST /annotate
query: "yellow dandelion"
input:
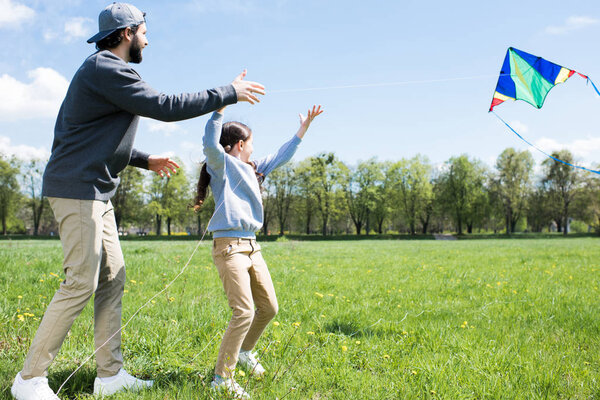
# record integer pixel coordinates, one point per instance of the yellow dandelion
(369, 271)
(153, 301)
(514, 291)
(399, 306)
(125, 291)
(310, 333)
(20, 318)
(413, 372)
(29, 314)
(276, 323)
(330, 294)
(53, 274)
(41, 280)
(132, 281)
(322, 315)
(296, 324)
(586, 363)
(319, 294)
(19, 297)
(357, 342)
(404, 333)
(241, 373)
(386, 356)
(432, 391)
(344, 348)
(171, 299)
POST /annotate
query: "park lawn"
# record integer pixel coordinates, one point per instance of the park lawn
(493, 319)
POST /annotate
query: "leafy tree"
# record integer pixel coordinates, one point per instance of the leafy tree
(413, 190)
(306, 194)
(562, 183)
(283, 183)
(325, 177)
(169, 199)
(588, 203)
(462, 190)
(128, 199)
(32, 181)
(513, 184)
(9, 188)
(361, 191)
(383, 186)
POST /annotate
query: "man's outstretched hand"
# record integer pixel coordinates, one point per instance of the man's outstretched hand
(247, 90)
(162, 165)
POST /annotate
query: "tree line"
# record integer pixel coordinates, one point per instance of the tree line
(323, 195)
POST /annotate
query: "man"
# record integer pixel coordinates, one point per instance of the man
(93, 142)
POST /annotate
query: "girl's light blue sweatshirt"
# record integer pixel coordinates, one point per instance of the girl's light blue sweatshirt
(238, 201)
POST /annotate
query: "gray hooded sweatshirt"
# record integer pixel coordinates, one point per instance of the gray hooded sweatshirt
(97, 122)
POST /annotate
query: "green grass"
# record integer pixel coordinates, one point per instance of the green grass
(492, 319)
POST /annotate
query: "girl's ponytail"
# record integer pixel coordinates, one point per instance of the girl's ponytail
(202, 189)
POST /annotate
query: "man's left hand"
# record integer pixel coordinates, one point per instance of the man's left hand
(162, 165)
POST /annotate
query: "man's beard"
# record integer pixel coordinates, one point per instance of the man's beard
(135, 51)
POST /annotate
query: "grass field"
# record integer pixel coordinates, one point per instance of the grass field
(494, 319)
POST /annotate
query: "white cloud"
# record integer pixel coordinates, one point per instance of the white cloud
(519, 127)
(167, 128)
(78, 27)
(224, 6)
(581, 148)
(23, 152)
(41, 98)
(13, 14)
(571, 24)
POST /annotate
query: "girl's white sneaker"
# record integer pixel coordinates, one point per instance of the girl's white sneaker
(249, 361)
(231, 387)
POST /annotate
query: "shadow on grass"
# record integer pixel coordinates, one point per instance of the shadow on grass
(82, 383)
(348, 328)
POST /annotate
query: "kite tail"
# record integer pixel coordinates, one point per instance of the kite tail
(542, 151)
(594, 86)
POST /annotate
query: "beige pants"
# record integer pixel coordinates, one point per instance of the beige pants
(93, 262)
(247, 283)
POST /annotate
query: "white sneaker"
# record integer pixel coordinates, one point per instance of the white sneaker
(248, 360)
(32, 389)
(121, 381)
(231, 387)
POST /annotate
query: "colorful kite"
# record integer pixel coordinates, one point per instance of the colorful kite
(529, 78)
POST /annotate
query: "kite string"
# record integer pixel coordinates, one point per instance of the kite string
(382, 84)
(149, 300)
(540, 150)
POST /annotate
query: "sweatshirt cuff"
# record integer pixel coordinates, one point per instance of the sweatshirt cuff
(228, 94)
(139, 159)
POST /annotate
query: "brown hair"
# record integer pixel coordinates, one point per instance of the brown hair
(231, 133)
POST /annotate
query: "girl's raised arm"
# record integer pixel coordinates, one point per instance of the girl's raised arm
(305, 121)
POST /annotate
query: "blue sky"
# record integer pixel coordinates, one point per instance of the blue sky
(289, 45)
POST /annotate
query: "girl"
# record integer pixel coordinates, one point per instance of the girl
(235, 183)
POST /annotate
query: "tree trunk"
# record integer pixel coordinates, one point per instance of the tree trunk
(199, 219)
(37, 218)
(358, 227)
(324, 227)
(4, 224)
(169, 226)
(158, 225)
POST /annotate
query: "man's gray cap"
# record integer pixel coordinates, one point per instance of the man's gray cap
(117, 16)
